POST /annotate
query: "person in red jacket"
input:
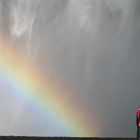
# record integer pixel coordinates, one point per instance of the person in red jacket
(138, 123)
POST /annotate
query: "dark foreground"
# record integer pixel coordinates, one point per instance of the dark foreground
(59, 138)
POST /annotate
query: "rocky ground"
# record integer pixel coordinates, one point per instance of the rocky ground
(58, 138)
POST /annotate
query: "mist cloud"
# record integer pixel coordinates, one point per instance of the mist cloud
(90, 46)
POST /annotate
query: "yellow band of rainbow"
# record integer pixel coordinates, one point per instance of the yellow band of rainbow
(27, 80)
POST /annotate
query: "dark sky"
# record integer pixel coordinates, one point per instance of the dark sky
(90, 46)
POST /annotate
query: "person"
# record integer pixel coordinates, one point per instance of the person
(138, 123)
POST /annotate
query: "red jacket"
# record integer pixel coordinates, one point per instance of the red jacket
(138, 118)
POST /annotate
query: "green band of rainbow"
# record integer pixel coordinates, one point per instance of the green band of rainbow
(27, 81)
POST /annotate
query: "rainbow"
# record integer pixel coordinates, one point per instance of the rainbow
(27, 80)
